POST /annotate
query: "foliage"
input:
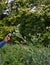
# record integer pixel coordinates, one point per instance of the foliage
(31, 24)
(24, 55)
(30, 31)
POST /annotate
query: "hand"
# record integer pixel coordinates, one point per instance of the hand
(7, 39)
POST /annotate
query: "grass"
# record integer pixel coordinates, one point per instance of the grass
(24, 55)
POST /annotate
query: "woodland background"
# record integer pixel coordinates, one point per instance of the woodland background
(28, 21)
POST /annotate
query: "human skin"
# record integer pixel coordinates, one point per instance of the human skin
(7, 38)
